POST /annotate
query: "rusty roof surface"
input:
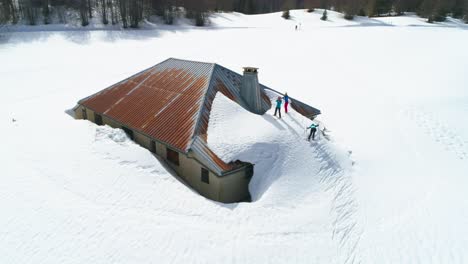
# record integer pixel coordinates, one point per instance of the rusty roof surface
(171, 102)
(162, 102)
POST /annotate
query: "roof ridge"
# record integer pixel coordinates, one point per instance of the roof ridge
(202, 108)
(185, 60)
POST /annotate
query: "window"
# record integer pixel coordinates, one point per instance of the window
(172, 156)
(153, 147)
(128, 131)
(98, 119)
(84, 113)
(205, 175)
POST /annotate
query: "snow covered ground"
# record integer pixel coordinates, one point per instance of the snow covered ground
(395, 97)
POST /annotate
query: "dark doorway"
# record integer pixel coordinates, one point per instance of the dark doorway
(84, 113)
(128, 131)
(153, 146)
(249, 171)
(98, 119)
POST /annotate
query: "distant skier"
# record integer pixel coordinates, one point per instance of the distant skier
(278, 106)
(286, 102)
(296, 27)
(313, 129)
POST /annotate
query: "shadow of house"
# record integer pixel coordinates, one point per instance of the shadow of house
(166, 109)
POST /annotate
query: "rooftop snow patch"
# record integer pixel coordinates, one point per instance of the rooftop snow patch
(263, 140)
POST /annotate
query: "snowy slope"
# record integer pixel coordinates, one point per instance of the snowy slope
(395, 96)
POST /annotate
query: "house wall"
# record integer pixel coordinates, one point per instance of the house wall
(189, 170)
(227, 189)
(235, 187)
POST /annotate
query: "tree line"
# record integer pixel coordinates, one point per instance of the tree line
(129, 13)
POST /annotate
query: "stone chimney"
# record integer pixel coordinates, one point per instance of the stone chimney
(251, 91)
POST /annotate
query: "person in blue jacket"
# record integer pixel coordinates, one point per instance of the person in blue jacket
(313, 129)
(278, 106)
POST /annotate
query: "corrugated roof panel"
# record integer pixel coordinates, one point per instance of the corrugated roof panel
(162, 102)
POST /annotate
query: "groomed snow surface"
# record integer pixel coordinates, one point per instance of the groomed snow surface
(390, 187)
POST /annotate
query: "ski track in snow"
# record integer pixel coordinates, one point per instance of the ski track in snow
(344, 206)
(441, 133)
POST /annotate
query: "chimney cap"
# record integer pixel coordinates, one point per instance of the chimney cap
(250, 69)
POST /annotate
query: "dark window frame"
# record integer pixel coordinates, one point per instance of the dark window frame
(205, 175)
(172, 156)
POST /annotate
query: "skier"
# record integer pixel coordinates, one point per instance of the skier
(286, 102)
(278, 106)
(313, 129)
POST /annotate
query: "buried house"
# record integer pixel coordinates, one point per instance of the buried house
(166, 109)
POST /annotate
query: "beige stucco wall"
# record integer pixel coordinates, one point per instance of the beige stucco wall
(79, 113)
(189, 170)
(142, 140)
(234, 187)
(110, 122)
(227, 189)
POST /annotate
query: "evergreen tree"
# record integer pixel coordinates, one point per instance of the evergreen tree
(458, 8)
(466, 11)
(351, 8)
(427, 10)
(398, 7)
(324, 15)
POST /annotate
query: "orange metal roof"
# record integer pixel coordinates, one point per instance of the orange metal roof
(162, 103)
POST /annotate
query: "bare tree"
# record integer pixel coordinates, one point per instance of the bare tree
(103, 9)
(46, 11)
(8, 11)
(113, 12)
(30, 10)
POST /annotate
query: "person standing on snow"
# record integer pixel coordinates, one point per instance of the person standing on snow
(313, 129)
(286, 102)
(278, 106)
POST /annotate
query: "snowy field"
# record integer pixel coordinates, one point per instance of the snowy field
(389, 188)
